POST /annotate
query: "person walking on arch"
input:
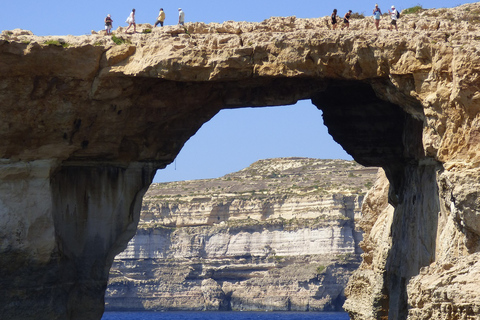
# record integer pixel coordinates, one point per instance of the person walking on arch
(131, 21)
(108, 24)
(181, 17)
(394, 15)
(377, 14)
(161, 18)
(334, 19)
(346, 19)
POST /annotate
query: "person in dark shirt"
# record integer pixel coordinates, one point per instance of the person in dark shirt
(346, 19)
(334, 19)
(108, 25)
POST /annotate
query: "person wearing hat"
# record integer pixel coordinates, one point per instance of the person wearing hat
(108, 24)
(181, 16)
(161, 18)
(394, 16)
(377, 14)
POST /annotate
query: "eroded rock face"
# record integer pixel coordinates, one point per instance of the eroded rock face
(366, 290)
(61, 230)
(90, 108)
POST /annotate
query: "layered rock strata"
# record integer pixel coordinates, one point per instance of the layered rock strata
(83, 117)
(278, 235)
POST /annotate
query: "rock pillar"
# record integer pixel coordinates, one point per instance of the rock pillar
(64, 225)
(382, 134)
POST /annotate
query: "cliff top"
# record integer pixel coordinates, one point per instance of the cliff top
(88, 99)
(464, 19)
(280, 177)
(303, 191)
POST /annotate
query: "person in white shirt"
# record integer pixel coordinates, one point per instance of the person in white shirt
(393, 15)
(181, 16)
(131, 21)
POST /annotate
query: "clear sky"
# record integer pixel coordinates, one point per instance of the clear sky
(233, 139)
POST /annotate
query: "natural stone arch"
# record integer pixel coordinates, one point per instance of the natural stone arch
(381, 133)
(376, 133)
(118, 113)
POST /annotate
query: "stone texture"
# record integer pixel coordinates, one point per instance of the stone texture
(82, 107)
(367, 285)
(278, 235)
(60, 233)
(446, 290)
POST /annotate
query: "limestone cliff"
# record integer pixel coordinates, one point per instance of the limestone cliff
(278, 235)
(86, 122)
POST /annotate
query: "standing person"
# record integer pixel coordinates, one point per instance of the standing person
(161, 17)
(334, 19)
(181, 17)
(108, 24)
(394, 16)
(131, 21)
(346, 19)
(377, 14)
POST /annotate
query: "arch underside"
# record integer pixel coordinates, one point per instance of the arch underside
(142, 131)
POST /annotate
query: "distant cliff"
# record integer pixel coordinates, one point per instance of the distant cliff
(278, 235)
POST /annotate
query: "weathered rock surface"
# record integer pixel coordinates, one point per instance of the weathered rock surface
(85, 123)
(367, 285)
(278, 235)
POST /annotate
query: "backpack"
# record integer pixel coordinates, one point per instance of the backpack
(398, 14)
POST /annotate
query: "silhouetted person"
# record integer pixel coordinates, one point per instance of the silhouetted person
(334, 19)
(346, 19)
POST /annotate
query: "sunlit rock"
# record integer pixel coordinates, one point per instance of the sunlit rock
(87, 120)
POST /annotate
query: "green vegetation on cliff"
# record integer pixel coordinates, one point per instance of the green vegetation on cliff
(271, 178)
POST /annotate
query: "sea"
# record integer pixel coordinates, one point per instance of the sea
(210, 315)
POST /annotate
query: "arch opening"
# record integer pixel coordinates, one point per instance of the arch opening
(377, 133)
(235, 138)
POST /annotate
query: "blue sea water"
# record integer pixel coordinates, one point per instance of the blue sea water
(179, 315)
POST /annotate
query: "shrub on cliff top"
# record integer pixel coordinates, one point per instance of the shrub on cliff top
(357, 15)
(117, 40)
(56, 43)
(416, 9)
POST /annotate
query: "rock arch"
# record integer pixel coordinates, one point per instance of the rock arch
(85, 126)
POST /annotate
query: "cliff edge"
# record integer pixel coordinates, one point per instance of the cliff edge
(86, 121)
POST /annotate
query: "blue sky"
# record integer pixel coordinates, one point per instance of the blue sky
(79, 17)
(233, 139)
